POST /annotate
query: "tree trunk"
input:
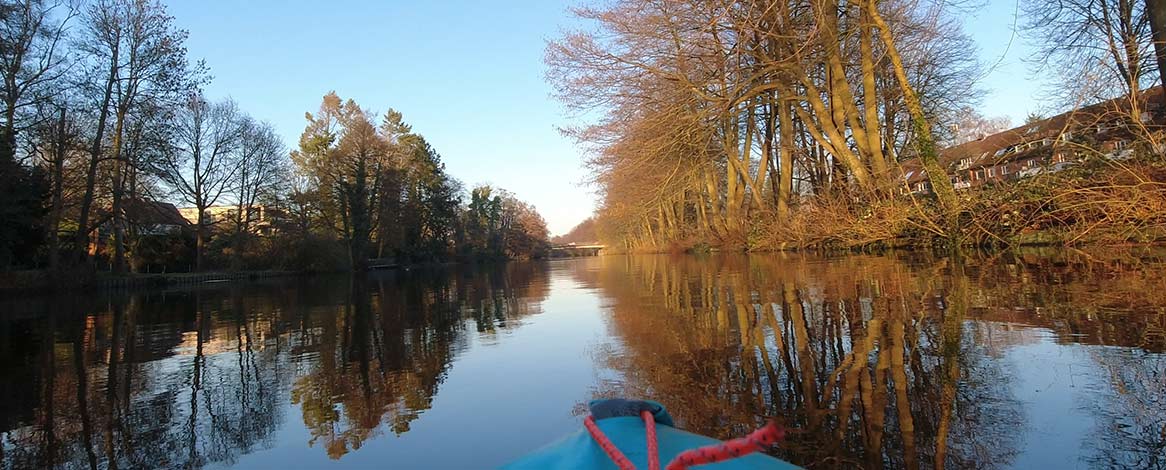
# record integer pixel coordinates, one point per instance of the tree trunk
(786, 166)
(199, 236)
(81, 238)
(241, 227)
(58, 172)
(117, 219)
(870, 106)
(924, 141)
(119, 179)
(1156, 11)
(745, 163)
(132, 232)
(358, 202)
(715, 213)
(732, 182)
(242, 220)
(8, 137)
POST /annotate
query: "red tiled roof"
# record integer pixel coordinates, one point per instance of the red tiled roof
(983, 152)
(144, 212)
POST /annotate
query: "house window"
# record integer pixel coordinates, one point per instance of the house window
(1118, 145)
(1003, 170)
(991, 171)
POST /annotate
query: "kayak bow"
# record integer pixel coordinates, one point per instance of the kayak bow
(629, 434)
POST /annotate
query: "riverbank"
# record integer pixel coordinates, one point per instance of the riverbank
(44, 280)
(15, 282)
(1095, 203)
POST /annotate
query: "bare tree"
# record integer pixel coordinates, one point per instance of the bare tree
(974, 126)
(134, 54)
(203, 162)
(144, 143)
(32, 57)
(1091, 50)
(706, 107)
(261, 174)
(55, 142)
(32, 60)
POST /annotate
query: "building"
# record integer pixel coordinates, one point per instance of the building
(154, 218)
(263, 219)
(143, 217)
(1047, 146)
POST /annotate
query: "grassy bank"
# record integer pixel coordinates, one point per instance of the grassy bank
(1098, 202)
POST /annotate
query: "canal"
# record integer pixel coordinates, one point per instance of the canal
(1034, 359)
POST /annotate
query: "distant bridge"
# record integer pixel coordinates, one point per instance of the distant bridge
(572, 250)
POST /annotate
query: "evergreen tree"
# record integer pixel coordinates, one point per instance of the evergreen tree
(23, 193)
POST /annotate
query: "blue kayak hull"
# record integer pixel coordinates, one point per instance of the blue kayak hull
(579, 450)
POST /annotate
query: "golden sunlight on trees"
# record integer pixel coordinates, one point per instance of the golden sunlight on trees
(113, 158)
(716, 114)
(384, 191)
(498, 224)
(584, 234)
(1101, 49)
(877, 360)
(767, 124)
(342, 150)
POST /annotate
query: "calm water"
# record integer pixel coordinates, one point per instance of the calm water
(1036, 360)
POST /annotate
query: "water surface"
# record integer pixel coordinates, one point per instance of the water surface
(1049, 360)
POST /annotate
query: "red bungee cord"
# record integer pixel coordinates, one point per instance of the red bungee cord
(768, 435)
(608, 447)
(650, 432)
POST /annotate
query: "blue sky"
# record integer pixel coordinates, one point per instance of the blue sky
(468, 75)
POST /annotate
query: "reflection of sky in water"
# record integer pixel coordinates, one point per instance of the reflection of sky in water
(505, 384)
(1050, 380)
(1069, 399)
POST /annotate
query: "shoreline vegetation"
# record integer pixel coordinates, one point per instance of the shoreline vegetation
(743, 126)
(850, 124)
(1096, 204)
(1100, 205)
(115, 165)
(44, 281)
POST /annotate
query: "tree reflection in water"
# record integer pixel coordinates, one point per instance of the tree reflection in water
(872, 362)
(183, 379)
(382, 358)
(875, 361)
